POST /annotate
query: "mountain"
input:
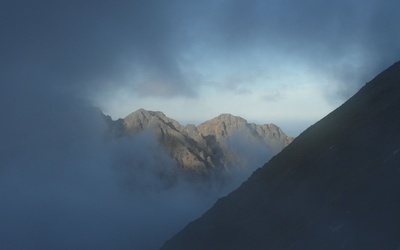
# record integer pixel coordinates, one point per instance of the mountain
(336, 186)
(205, 148)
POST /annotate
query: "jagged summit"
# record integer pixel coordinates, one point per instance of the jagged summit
(229, 118)
(336, 186)
(142, 119)
(226, 125)
(146, 114)
(206, 146)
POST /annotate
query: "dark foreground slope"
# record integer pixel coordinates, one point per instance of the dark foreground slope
(337, 186)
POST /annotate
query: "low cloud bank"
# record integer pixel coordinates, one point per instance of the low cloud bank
(64, 186)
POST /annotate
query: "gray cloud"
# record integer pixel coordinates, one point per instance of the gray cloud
(56, 187)
(62, 186)
(85, 45)
(152, 45)
(271, 96)
(350, 41)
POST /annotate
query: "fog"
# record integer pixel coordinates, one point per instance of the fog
(65, 185)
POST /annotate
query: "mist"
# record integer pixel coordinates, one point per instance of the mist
(63, 185)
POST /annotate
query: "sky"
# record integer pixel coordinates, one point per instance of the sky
(283, 62)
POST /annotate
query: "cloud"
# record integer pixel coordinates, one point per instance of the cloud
(329, 37)
(272, 96)
(56, 184)
(154, 47)
(63, 186)
(93, 44)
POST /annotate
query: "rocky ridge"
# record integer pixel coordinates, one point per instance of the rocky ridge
(204, 147)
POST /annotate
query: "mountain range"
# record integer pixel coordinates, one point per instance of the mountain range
(336, 186)
(208, 147)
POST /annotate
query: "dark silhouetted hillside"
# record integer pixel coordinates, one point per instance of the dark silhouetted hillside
(336, 186)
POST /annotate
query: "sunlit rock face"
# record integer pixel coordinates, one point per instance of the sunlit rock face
(210, 145)
(336, 186)
(225, 126)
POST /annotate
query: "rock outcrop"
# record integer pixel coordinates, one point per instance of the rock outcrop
(205, 147)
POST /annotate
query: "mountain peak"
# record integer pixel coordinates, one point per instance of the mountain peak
(225, 126)
(147, 113)
(145, 119)
(204, 146)
(229, 117)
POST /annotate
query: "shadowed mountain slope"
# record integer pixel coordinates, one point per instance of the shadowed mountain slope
(336, 186)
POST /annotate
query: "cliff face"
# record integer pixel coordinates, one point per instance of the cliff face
(207, 146)
(225, 126)
(336, 186)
